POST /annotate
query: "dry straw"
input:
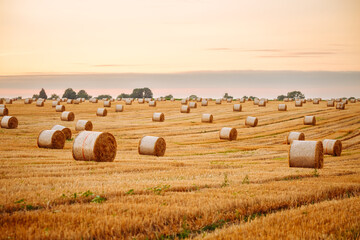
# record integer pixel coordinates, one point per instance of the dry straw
(286, 99)
(310, 120)
(207, 118)
(94, 146)
(39, 103)
(119, 108)
(251, 121)
(2, 105)
(141, 101)
(199, 99)
(51, 139)
(152, 103)
(353, 100)
(83, 125)
(66, 131)
(298, 103)
(204, 103)
(340, 105)
(9, 122)
(282, 107)
(345, 101)
(294, 136)
(158, 117)
(184, 109)
(330, 103)
(67, 116)
(107, 103)
(60, 108)
(306, 154)
(101, 112)
(4, 111)
(193, 105)
(228, 133)
(237, 108)
(332, 147)
(150, 145)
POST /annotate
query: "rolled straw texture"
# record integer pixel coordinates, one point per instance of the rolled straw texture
(207, 117)
(310, 120)
(282, 107)
(228, 133)
(158, 117)
(67, 116)
(4, 111)
(107, 103)
(101, 112)
(152, 103)
(251, 121)
(306, 154)
(66, 131)
(294, 136)
(332, 147)
(150, 145)
(192, 105)
(184, 109)
(119, 108)
(83, 125)
(60, 108)
(237, 108)
(9, 122)
(51, 139)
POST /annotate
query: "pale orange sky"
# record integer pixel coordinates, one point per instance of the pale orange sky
(93, 36)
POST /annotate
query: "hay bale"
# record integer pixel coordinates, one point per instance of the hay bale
(228, 133)
(229, 100)
(70, 101)
(76, 101)
(353, 100)
(150, 145)
(1, 101)
(66, 131)
(28, 101)
(207, 118)
(54, 139)
(251, 121)
(101, 112)
(4, 111)
(256, 101)
(107, 103)
(218, 101)
(330, 103)
(282, 107)
(345, 101)
(184, 109)
(204, 102)
(262, 103)
(184, 101)
(237, 108)
(332, 147)
(67, 116)
(338, 100)
(294, 136)
(306, 154)
(299, 103)
(316, 101)
(172, 99)
(119, 108)
(94, 146)
(83, 125)
(2, 105)
(309, 100)
(340, 105)
(303, 100)
(286, 99)
(199, 99)
(158, 117)
(8, 101)
(55, 103)
(152, 103)
(94, 100)
(141, 101)
(39, 103)
(128, 101)
(310, 120)
(60, 108)
(192, 105)
(9, 122)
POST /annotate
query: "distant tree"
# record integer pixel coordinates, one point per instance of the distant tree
(123, 95)
(35, 96)
(69, 93)
(148, 93)
(42, 94)
(168, 97)
(104, 96)
(295, 94)
(252, 97)
(83, 94)
(245, 97)
(226, 95)
(137, 93)
(192, 96)
(54, 96)
(351, 98)
(281, 97)
(19, 97)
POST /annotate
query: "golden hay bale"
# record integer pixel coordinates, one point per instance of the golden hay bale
(262, 103)
(286, 99)
(353, 100)
(158, 117)
(192, 105)
(141, 101)
(119, 108)
(2, 105)
(316, 101)
(152, 103)
(229, 100)
(83, 125)
(330, 103)
(94, 100)
(306, 154)
(237, 108)
(67, 116)
(94, 146)
(344, 101)
(309, 100)
(256, 101)
(251, 121)
(70, 101)
(4, 111)
(60, 108)
(66, 131)
(128, 102)
(107, 103)
(8, 101)
(28, 101)
(55, 103)
(294, 136)
(184, 101)
(150, 145)
(340, 105)
(299, 103)
(76, 101)
(184, 109)
(9, 122)
(332, 147)
(282, 107)
(51, 139)
(218, 101)
(242, 100)
(101, 112)
(199, 99)
(228, 133)
(303, 100)
(207, 118)
(310, 120)
(204, 103)
(39, 103)
(338, 100)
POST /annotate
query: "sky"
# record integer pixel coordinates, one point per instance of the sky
(108, 39)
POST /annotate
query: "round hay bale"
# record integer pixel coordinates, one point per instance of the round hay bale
(39, 103)
(141, 101)
(262, 103)
(119, 108)
(299, 103)
(237, 108)
(4, 111)
(152, 103)
(330, 103)
(184, 109)
(338, 99)
(340, 105)
(192, 105)
(332, 147)
(204, 103)
(28, 101)
(303, 100)
(309, 100)
(218, 101)
(66, 131)
(54, 139)
(94, 100)
(229, 100)
(310, 120)
(242, 100)
(294, 136)
(345, 101)
(70, 101)
(150, 145)
(199, 99)
(172, 99)
(282, 107)
(67, 116)
(2, 105)
(306, 154)
(256, 101)
(184, 101)
(1, 101)
(207, 118)
(83, 125)
(55, 103)
(128, 102)
(158, 117)
(286, 99)
(353, 100)
(316, 101)
(251, 121)
(107, 103)
(101, 112)
(228, 133)
(77, 101)
(60, 108)
(9, 122)
(8, 101)
(94, 146)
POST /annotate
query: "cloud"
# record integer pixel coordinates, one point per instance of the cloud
(299, 54)
(117, 65)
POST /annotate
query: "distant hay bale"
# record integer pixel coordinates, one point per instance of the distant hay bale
(218, 101)
(345, 101)
(128, 102)
(83, 125)
(67, 116)
(118, 99)
(54, 139)
(207, 118)
(76, 101)
(309, 100)
(299, 103)
(150, 145)
(242, 100)
(4, 111)
(28, 101)
(316, 101)
(338, 100)
(310, 120)
(237, 108)
(199, 99)
(70, 101)
(306, 154)
(282, 107)
(228, 133)
(39, 103)
(158, 117)
(340, 105)
(94, 100)
(262, 103)
(152, 103)
(94, 146)
(256, 101)
(353, 100)
(55, 103)
(251, 121)
(66, 131)
(204, 102)
(8, 101)
(107, 103)
(172, 99)
(303, 100)
(330, 103)
(332, 147)
(185, 109)
(184, 101)
(229, 100)
(60, 108)
(141, 101)
(119, 108)
(1, 101)
(192, 105)
(286, 99)
(294, 136)
(101, 112)
(9, 122)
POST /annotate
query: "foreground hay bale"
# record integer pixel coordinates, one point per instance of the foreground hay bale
(119, 108)
(67, 116)
(299, 103)
(2, 105)
(94, 146)
(330, 103)
(150, 145)
(66, 131)
(282, 107)
(107, 103)
(184, 109)
(340, 106)
(54, 139)
(332, 147)
(60, 108)
(204, 102)
(306, 154)
(192, 105)
(228, 133)
(101, 112)
(294, 136)
(4, 111)
(152, 103)
(9, 122)
(310, 120)
(158, 117)
(251, 121)
(207, 118)
(83, 125)
(237, 108)
(39, 103)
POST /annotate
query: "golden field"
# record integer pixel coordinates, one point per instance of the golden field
(203, 187)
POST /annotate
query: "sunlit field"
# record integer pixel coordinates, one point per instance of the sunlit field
(203, 187)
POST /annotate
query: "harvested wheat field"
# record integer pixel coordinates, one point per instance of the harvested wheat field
(203, 187)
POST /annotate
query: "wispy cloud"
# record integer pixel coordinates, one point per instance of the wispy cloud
(300, 54)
